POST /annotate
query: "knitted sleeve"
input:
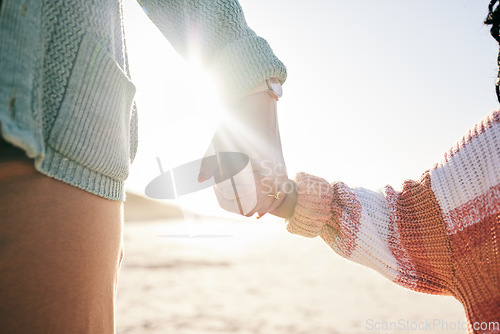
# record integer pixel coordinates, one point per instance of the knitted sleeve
(215, 31)
(437, 235)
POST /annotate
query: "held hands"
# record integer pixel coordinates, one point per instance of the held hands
(263, 185)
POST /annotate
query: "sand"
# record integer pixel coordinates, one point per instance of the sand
(220, 276)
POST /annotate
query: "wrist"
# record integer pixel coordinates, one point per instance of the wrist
(287, 206)
(314, 206)
(271, 86)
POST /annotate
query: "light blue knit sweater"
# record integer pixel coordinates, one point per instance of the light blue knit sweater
(65, 93)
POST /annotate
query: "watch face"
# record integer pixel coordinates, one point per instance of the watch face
(276, 87)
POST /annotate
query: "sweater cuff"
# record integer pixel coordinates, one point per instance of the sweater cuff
(245, 63)
(313, 209)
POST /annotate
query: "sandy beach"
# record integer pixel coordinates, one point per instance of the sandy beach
(208, 275)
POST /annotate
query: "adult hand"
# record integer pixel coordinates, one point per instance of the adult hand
(250, 128)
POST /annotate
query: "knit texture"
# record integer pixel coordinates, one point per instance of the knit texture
(65, 91)
(438, 235)
(313, 209)
(216, 33)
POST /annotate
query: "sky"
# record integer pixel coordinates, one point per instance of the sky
(377, 91)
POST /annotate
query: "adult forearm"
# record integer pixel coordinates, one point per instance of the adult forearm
(216, 33)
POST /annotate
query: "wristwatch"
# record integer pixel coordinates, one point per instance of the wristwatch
(272, 86)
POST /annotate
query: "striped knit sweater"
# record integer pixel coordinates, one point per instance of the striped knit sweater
(439, 235)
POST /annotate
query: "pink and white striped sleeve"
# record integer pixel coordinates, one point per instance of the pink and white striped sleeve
(355, 223)
(439, 235)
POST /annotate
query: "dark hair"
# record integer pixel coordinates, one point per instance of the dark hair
(493, 19)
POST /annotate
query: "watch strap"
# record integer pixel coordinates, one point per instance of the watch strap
(263, 87)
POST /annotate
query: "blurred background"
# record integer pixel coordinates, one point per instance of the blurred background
(377, 91)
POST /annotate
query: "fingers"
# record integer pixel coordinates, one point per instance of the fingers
(237, 193)
(235, 198)
(206, 170)
(248, 193)
(271, 193)
(207, 167)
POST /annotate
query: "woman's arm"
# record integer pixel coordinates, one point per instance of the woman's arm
(216, 33)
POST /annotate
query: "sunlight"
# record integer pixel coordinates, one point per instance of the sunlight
(352, 124)
(188, 135)
(203, 89)
(373, 97)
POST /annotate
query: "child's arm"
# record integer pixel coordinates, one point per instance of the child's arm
(438, 235)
